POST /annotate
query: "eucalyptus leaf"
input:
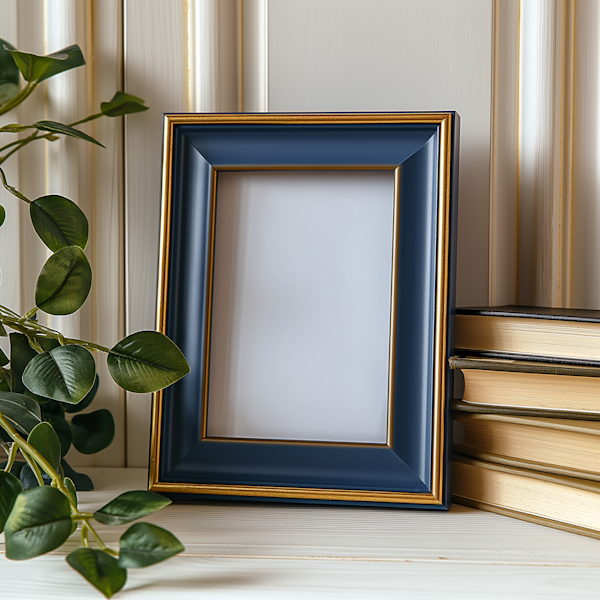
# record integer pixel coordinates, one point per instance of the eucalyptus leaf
(82, 482)
(14, 128)
(93, 432)
(122, 104)
(59, 222)
(16, 468)
(83, 404)
(130, 506)
(44, 439)
(49, 407)
(66, 373)
(71, 489)
(38, 68)
(64, 282)
(20, 355)
(100, 569)
(2, 215)
(29, 480)
(144, 544)
(62, 429)
(3, 358)
(39, 522)
(10, 488)
(4, 382)
(8, 69)
(7, 92)
(3, 331)
(55, 127)
(146, 361)
(20, 410)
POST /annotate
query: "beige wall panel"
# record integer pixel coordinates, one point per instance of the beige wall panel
(348, 55)
(585, 279)
(156, 70)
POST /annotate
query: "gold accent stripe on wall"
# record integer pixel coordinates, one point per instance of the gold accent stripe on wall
(571, 197)
(518, 194)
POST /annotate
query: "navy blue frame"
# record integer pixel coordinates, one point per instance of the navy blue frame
(181, 456)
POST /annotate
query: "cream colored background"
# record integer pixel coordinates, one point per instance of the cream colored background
(523, 74)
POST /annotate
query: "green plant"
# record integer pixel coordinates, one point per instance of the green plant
(49, 376)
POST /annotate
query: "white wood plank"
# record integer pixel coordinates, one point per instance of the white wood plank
(397, 55)
(259, 579)
(267, 530)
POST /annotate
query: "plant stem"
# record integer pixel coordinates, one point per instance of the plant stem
(36, 470)
(84, 535)
(33, 328)
(101, 545)
(11, 189)
(28, 450)
(12, 454)
(16, 100)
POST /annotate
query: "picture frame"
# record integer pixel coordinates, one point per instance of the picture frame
(416, 155)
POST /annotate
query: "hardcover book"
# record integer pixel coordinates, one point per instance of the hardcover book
(559, 446)
(567, 503)
(534, 333)
(530, 385)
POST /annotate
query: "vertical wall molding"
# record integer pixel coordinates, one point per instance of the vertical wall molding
(195, 66)
(255, 55)
(533, 132)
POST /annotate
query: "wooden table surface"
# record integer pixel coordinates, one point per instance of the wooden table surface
(270, 551)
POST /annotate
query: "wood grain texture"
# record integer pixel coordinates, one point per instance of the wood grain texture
(288, 551)
(155, 59)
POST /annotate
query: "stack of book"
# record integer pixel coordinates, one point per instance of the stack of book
(527, 431)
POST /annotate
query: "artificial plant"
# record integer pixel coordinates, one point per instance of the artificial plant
(48, 375)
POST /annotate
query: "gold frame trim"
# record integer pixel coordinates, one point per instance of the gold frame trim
(444, 120)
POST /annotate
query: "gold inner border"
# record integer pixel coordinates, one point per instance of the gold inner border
(444, 121)
(393, 297)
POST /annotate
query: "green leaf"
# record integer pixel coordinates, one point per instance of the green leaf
(40, 521)
(14, 128)
(83, 404)
(7, 92)
(130, 506)
(146, 361)
(59, 222)
(71, 489)
(122, 104)
(66, 373)
(62, 429)
(64, 282)
(10, 488)
(39, 68)
(2, 215)
(3, 331)
(93, 431)
(8, 69)
(55, 127)
(100, 569)
(21, 410)
(4, 382)
(3, 358)
(29, 480)
(20, 355)
(82, 482)
(44, 439)
(144, 544)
